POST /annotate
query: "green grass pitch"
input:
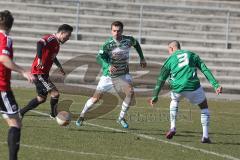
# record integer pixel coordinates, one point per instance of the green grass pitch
(103, 139)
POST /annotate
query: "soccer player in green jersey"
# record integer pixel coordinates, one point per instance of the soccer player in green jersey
(113, 56)
(181, 69)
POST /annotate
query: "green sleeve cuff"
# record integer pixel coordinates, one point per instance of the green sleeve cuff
(155, 98)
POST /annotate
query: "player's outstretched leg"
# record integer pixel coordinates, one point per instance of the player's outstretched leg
(129, 92)
(121, 120)
(31, 105)
(90, 102)
(79, 121)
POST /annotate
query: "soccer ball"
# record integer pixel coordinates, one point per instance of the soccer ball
(63, 118)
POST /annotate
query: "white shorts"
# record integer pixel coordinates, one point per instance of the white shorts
(195, 97)
(107, 83)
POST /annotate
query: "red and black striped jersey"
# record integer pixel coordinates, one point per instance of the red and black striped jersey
(50, 50)
(5, 50)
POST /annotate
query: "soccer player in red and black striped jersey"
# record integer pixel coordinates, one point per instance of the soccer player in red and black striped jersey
(8, 105)
(47, 50)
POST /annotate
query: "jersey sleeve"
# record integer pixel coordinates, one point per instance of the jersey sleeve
(39, 49)
(5, 46)
(43, 41)
(207, 73)
(40, 45)
(162, 77)
(138, 48)
(102, 57)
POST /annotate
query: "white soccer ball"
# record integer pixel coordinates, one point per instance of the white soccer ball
(63, 118)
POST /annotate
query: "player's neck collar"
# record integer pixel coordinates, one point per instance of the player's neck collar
(117, 41)
(55, 35)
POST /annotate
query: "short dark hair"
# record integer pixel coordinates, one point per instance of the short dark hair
(6, 20)
(117, 23)
(65, 28)
(175, 43)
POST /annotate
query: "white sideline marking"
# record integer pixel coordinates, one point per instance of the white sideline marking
(75, 152)
(41, 113)
(157, 139)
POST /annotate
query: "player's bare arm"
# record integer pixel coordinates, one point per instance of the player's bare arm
(58, 64)
(7, 62)
(62, 71)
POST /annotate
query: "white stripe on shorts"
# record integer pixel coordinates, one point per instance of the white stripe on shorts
(44, 82)
(6, 102)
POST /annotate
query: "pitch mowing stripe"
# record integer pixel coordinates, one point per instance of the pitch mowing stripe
(167, 142)
(75, 152)
(157, 139)
(149, 107)
(182, 110)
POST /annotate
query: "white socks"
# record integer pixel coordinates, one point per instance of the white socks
(87, 106)
(123, 110)
(205, 118)
(173, 113)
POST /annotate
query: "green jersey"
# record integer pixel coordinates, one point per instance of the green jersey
(181, 69)
(116, 53)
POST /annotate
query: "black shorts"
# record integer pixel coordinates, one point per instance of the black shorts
(8, 104)
(43, 84)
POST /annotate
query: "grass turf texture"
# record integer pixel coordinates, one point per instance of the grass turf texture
(102, 138)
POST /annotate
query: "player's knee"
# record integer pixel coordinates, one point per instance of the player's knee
(95, 99)
(18, 124)
(41, 99)
(203, 105)
(14, 122)
(130, 92)
(55, 94)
